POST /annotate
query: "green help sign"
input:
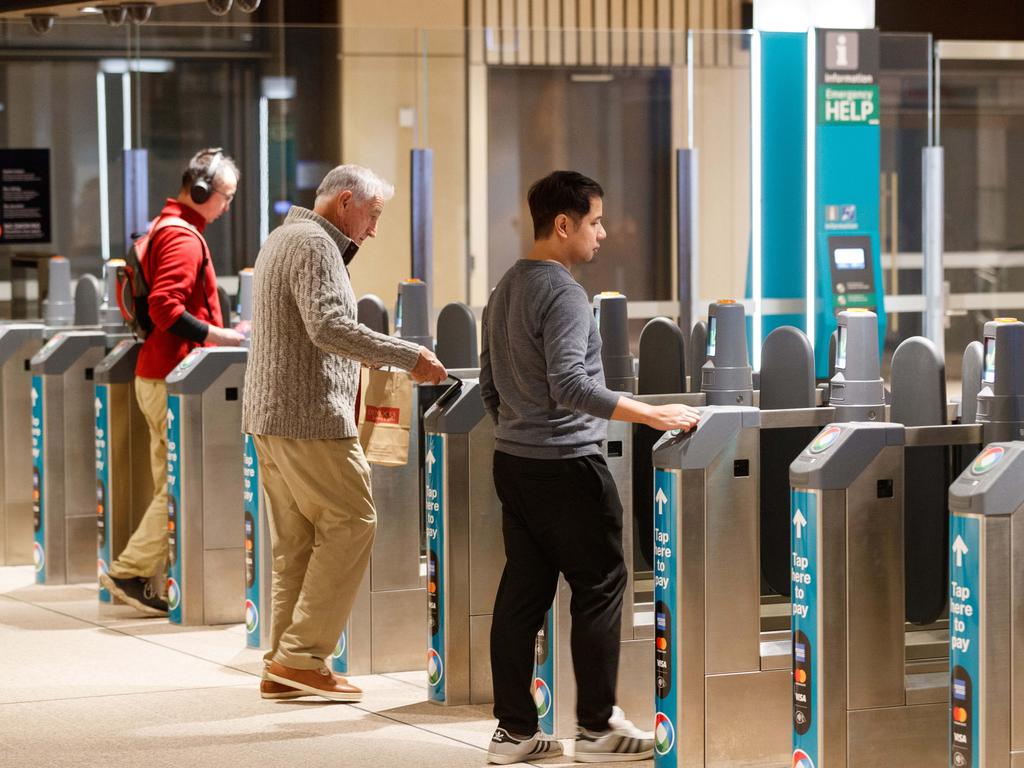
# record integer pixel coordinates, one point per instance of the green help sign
(848, 104)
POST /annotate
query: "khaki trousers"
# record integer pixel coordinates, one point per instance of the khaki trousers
(322, 524)
(146, 550)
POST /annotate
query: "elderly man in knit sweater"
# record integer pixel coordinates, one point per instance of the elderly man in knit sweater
(300, 392)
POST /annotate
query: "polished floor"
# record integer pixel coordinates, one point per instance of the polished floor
(85, 685)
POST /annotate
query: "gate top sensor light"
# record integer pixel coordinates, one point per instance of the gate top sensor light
(41, 22)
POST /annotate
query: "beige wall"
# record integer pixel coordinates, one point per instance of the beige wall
(397, 55)
(410, 53)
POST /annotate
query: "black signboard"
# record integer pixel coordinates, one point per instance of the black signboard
(25, 203)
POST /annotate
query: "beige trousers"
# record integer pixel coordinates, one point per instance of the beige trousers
(322, 524)
(146, 550)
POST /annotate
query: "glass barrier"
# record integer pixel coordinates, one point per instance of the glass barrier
(980, 122)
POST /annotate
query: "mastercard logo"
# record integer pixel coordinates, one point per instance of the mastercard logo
(252, 616)
(435, 667)
(38, 556)
(825, 439)
(662, 644)
(173, 594)
(541, 697)
(664, 734)
(959, 715)
(801, 675)
(987, 459)
(802, 760)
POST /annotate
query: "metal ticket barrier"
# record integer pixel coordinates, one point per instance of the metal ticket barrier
(986, 570)
(384, 632)
(870, 676)
(721, 632)
(986, 611)
(124, 479)
(465, 548)
(18, 343)
(204, 483)
(63, 479)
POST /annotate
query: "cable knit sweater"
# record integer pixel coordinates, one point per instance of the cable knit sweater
(303, 370)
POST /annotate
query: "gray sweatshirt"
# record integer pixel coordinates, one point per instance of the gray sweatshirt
(303, 371)
(540, 365)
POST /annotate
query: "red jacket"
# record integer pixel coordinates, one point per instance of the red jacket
(171, 268)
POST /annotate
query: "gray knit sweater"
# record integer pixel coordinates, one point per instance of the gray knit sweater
(303, 370)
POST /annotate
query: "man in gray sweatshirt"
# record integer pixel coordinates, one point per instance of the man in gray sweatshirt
(300, 395)
(543, 384)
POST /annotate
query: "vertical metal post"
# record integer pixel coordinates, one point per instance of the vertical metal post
(686, 223)
(136, 193)
(422, 185)
(933, 185)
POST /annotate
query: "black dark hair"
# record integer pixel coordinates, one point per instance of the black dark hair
(199, 166)
(559, 192)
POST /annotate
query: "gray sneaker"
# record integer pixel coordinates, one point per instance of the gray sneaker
(622, 742)
(506, 748)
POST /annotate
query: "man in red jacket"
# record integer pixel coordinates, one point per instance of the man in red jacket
(185, 311)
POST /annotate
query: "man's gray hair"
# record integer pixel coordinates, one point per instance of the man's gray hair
(362, 182)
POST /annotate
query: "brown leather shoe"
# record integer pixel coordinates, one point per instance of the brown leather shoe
(271, 690)
(317, 682)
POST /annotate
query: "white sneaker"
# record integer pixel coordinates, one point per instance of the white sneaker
(506, 748)
(622, 741)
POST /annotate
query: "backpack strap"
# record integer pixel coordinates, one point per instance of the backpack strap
(166, 222)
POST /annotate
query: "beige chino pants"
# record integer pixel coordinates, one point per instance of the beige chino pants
(322, 524)
(146, 551)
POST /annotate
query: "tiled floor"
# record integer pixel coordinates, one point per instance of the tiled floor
(85, 685)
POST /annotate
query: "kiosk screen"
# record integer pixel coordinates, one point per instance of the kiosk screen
(988, 374)
(841, 349)
(712, 332)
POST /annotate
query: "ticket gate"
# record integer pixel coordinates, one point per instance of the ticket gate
(986, 570)
(864, 691)
(465, 548)
(384, 630)
(986, 607)
(63, 480)
(721, 635)
(258, 558)
(18, 343)
(124, 479)
(205, 582)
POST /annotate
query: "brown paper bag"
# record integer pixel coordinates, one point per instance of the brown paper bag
(385, 413)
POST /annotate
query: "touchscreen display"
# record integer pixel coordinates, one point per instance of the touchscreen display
(849, 258)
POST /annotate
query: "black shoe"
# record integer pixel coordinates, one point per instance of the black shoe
(136, 592)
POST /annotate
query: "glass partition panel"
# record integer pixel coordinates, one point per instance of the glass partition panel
(981, 127)
(905, 92)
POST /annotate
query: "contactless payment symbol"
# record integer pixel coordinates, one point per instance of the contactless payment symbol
(173, 594)
(802, 760)
(252, 616)
(541, 697)
(825, 439)
(38, 556)
(339, 648)
(435, 667)
(987, 459)
(664, 734)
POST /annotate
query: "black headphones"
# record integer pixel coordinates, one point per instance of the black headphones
(202, 187)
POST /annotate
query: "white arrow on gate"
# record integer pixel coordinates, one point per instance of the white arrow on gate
(35, 396)
(960, 549)
(429, 461)
(799, 521)
(661, 500)
(99, 405)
